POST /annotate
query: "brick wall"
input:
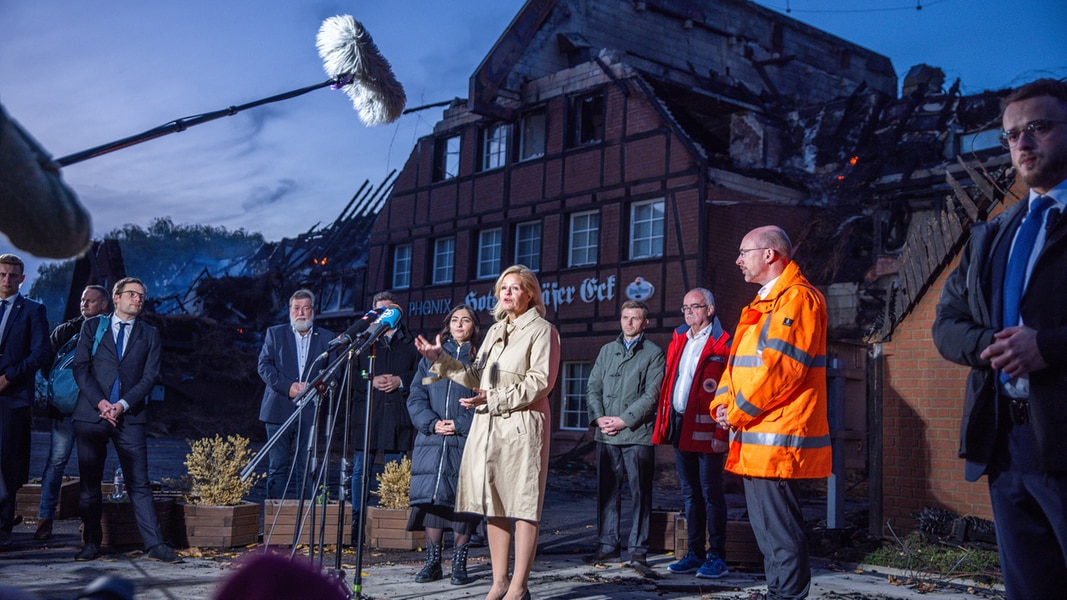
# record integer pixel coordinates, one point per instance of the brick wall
(923, 401)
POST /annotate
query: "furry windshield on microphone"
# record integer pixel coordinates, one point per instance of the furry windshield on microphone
(349, 51)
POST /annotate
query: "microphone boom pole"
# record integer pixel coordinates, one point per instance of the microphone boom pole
(352, 61)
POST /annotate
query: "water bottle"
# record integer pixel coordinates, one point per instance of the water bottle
(118, 491)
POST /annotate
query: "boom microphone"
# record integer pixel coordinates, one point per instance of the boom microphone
(353, 62)
(349, 53)
(389, 319)
(353, 332)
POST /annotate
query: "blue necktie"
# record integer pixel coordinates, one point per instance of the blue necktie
(115, 395)
(1015, 275)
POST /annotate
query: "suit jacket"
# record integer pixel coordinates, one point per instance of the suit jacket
(279, 368)
(137, 372)
(23, 349)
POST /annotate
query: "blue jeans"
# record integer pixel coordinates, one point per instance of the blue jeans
(357, 475)
(290, 449)
(60, 445)
(700, 476)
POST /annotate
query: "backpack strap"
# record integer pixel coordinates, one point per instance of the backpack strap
(101, 329)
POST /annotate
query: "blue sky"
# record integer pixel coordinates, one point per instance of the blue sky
(78, 74)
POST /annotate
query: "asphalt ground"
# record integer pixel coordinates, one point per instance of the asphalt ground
(47, 570)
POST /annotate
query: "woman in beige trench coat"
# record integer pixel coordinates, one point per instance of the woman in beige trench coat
(505, 461)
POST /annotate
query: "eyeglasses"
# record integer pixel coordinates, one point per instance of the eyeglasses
(132, 294)
(742, 251)
(688, 308)
(1037, 129)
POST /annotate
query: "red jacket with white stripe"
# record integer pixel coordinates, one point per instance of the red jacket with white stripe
(698, 428)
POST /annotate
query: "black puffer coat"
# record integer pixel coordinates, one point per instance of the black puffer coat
(436, 458)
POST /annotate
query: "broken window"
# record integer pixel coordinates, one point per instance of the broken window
(584, 239)
(587, 119)
(646, 229)
(446, 158)
(532, 138)
(494, 146)
(528, 245)
(444, 257)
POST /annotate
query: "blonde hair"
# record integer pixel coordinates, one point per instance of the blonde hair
(530, 285)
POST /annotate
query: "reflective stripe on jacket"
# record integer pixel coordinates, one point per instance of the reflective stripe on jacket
(774, 387)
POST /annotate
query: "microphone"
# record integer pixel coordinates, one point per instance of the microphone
(351, 57)
(353, 332)
(388, 320)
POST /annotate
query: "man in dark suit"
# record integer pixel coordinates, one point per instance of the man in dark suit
(115, 381)
(287, 362)
(24, 348)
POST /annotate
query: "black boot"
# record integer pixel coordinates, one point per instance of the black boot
(459, 565)
(431, 571)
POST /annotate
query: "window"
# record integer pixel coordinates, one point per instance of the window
(402, 266)
(585, 239)
(489, 243)
(532, 137)
(646, 229)
(494, 146)
(587, 119)
(444, 256)
(528, 245)
(446, 158)
(575, 379)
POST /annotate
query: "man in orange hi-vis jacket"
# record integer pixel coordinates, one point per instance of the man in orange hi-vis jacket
(773, 398)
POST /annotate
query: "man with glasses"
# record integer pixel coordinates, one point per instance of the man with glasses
(773, 398)
(695, 361)
(115, 376)
(1002, 313)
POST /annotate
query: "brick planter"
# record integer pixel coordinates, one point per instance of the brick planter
(218, 526)
(28, 500)
(286, 522)
(386, 529)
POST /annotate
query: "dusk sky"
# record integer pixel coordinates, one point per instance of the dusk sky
(78, 74)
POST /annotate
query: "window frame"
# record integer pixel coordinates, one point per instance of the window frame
(531, 133)
(574, 390)
(494, 146)
(520, 241)
(587, 119)
(449, 258)
(402, 267)
(446, 160)
(482, 270)
(594, 247)
(652, 238)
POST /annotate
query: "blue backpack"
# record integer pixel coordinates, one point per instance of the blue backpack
(61, 389)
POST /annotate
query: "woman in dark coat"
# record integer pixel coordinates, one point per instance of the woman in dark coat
(442, 425)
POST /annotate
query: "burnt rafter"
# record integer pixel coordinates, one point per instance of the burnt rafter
(933, 244)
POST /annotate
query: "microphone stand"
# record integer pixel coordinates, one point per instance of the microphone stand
(357, 583)
(186, 122)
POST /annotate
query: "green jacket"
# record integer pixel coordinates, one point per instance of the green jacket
(625, 384)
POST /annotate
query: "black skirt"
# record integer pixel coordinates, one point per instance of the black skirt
(436, 516)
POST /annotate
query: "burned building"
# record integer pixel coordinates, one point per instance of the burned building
(622, 149)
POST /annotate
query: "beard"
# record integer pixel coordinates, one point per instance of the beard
(301, 325)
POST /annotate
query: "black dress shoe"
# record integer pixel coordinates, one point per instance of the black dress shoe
(88, 552)
(600, 556)
(163, 553)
